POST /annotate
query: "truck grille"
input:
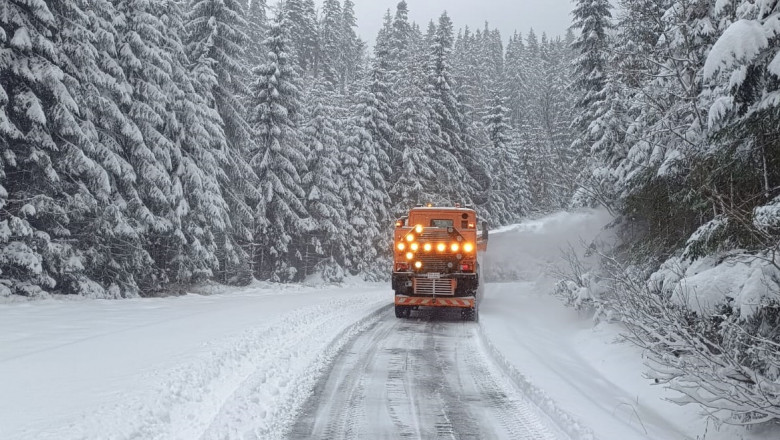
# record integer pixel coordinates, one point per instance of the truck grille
(425, 286)
(435, 235)
(437, 263)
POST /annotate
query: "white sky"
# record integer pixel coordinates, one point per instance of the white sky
(550, 16)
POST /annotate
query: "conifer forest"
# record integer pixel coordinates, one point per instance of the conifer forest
(150, 145)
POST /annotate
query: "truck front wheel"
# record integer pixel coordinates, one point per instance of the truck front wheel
(469, 314)
(402, 311)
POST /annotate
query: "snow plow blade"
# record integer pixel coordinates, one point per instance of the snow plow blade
(463, 302)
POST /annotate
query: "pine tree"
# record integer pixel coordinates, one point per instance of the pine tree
(398, 40)
(326, 247)
(47, 178)
(744, 68)
(507, 199)
(515, 79)
(215, 42)
(382, 45)
(352, 47)
(375, 109)
(278, 160)
(331, 38)
(156, 196)
(196, 130)
(365, 165)
(302, 33)
(417, 165)
(460, 184)
(110, 249)
(563, 160)
(257, 26)
(592, 18)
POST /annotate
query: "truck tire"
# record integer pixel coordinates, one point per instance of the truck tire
(402, 311)
(469, 314)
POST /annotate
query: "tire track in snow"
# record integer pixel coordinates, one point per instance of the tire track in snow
(426, 377)
(342, 420)
(519, 418)
(562, 419)
(261, 410)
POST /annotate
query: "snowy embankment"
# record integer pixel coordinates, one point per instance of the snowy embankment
(578, 372)
(222, 366)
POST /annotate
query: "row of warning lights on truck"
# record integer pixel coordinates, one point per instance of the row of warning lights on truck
(419, 228)
(412, 247)
(428, 247)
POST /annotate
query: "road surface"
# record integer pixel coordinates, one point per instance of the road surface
(420, 378)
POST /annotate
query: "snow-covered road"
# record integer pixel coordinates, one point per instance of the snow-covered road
(426, 377)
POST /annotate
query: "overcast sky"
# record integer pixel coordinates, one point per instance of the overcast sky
(551, 16)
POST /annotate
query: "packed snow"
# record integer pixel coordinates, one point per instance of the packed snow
(242, 363)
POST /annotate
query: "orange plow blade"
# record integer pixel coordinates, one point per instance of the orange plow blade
(467, 302)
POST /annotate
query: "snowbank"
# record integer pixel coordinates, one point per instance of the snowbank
(172, 368)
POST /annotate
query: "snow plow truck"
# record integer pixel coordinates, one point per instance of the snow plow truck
(435, 260)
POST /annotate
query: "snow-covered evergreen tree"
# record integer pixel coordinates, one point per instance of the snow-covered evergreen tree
(103, 229)
(364, 169)
(156, 196)
(257, 26)
(330, 43)
(352, 47)
(196, 130)
(399, 39)
(47, 181)
(302, 33)
(508, 199)
(593, 20)
(460, 184)
(278, 158)
(417, 165)
(326, 246)
(215, 46)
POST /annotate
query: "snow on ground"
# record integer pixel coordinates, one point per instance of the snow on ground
(172, 368)
(574, 370)
(241, 364)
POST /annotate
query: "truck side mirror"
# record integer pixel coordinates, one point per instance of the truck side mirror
(484, 230)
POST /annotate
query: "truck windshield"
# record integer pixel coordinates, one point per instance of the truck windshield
(442, 223)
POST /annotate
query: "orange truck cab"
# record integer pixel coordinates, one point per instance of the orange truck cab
(435, 260)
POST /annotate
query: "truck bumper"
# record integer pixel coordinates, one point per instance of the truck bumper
(468, 302)
(465, 283)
